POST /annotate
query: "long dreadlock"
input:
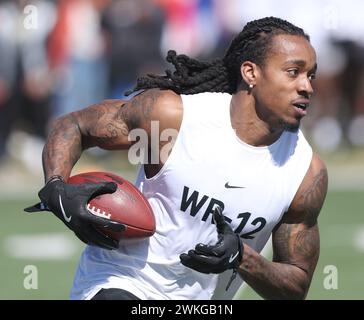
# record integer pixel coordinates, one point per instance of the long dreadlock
(221, 75)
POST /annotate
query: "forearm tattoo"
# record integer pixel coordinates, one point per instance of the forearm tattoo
(63, 148)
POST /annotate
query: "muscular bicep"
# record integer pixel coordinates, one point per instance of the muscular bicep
(100, 125)
(296, 239)
(108, 124)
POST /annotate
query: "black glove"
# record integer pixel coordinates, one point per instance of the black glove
(69, 203)
(226, 254)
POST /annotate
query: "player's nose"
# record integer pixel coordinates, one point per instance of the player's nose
(305, 88)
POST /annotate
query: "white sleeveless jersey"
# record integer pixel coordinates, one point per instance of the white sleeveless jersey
(208, 166)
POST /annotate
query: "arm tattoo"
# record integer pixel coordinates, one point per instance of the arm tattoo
(305, 212)
(307, 244)
(63, 148)
(297, 242)
(106, 125)
(111, 129)
(295, 249)
(312, 199)
(137, 112)
(100, 126)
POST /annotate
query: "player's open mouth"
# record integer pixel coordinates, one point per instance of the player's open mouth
(302, 106)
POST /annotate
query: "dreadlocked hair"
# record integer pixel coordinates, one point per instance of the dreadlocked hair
(221, 75)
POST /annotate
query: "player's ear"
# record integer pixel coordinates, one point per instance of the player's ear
(249, 72)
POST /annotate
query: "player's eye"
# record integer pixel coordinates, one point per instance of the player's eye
(292, 72)
(312, 76)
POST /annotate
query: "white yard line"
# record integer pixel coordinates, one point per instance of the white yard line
(48, 246)
(359, 239)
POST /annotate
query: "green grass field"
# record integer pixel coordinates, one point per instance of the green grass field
(342, 245)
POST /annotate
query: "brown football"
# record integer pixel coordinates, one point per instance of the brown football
(126, 205)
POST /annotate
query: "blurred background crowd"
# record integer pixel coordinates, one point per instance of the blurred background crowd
(60, 56)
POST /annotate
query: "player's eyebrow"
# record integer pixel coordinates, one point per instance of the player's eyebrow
(301, 64)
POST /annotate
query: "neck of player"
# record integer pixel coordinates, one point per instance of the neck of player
(251, 126)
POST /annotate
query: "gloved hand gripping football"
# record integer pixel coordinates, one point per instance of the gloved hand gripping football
(226, 254)
(68, 202)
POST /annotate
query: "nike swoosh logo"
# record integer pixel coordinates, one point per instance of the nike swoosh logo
(232, 257)
(232, 187)
(68, 219)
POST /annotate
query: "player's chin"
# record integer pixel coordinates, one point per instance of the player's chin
(291, 126)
